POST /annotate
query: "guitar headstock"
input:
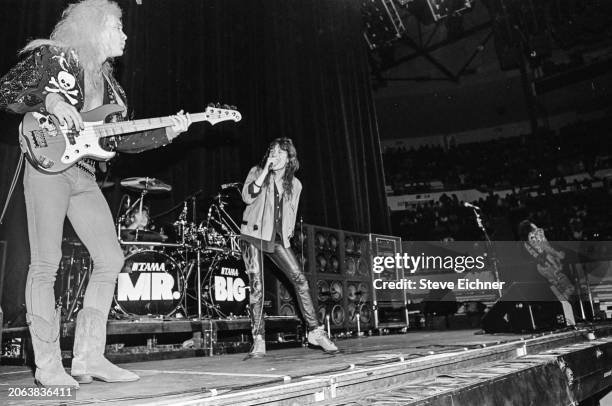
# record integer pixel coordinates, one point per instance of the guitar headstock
(218, 113)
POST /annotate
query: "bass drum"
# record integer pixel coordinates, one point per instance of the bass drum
(150, 283)
(226, 287)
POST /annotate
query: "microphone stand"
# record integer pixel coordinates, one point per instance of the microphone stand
(490, 247)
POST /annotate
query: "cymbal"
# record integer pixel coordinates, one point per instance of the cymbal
(151, 185)
(142, 235)
(105, 183)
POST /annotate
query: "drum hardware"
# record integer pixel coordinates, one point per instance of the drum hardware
(130, 235)
(80, 293)
(75, 270)
(206, 249)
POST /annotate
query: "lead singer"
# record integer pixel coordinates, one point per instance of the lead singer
(272, 194)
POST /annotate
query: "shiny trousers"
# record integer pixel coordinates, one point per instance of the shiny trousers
(285, 260)
(49, 199)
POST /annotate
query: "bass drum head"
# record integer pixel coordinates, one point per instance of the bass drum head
(150, 283)
(227, 287)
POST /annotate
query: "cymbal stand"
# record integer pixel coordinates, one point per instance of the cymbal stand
(226, 222)
(182, 221)
(224, 219)
(80, 290)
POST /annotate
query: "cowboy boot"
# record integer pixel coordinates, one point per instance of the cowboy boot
(88, 360)
(259, 348)
(47, 353)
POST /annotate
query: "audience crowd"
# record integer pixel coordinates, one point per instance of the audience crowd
(534, 168)
(502, 163)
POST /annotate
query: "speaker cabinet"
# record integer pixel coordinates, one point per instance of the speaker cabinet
(340, 278)
(390, 304)
(338, 266)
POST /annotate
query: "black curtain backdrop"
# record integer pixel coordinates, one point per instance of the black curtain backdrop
(293, 68)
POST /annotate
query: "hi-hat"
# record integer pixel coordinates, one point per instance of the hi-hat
(151, 185)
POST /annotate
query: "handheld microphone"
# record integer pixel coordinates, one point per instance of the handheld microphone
(471, 206)
(270, 166)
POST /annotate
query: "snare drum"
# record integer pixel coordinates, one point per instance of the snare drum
(227, 286)
(150, 283)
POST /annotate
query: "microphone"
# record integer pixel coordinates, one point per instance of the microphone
(471, 206)
(270, 166)
(229, 185)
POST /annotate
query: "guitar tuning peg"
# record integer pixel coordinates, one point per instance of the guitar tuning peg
(210, 105)
(217, 105)
(233, 107)
(225, 106)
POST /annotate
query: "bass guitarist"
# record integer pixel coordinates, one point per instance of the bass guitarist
(67, 74)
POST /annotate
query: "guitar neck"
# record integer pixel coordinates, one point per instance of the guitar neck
(135, 126)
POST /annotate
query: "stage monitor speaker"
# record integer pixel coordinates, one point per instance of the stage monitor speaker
(517, 311)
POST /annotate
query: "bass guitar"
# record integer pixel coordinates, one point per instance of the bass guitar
(53, 148)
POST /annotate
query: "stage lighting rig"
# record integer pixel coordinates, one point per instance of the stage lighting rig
(446, 8)
(383, 23)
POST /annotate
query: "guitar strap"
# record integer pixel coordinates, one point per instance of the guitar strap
(117, 97)
(103, 165)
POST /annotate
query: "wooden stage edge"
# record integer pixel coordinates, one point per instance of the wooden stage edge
(417, 368)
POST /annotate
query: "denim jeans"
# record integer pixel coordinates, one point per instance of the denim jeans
(49, 199)
(285, 260)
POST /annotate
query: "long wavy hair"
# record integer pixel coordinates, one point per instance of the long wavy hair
(292, 166)
(81, 30)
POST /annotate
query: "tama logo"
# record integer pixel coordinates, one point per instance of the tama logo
(229, 271)
(149, 267)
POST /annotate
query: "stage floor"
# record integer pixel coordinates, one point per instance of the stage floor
(198, 380)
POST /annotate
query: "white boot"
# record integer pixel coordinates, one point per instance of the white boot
(47, 353)
(88, 360)
(259, 348)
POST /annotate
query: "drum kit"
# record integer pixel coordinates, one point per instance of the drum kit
(181, 269)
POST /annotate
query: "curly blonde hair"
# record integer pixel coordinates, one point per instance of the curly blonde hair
(80, 30)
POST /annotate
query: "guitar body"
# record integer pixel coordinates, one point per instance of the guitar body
(53, 148)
